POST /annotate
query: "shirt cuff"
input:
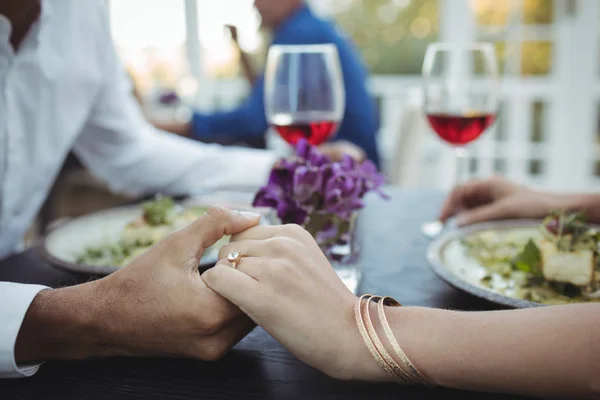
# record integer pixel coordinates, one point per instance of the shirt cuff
(15, 300)
(248, 170)
(256, 165)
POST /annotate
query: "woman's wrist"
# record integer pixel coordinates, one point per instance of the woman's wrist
(588, 203)
(359, 362)
(355, 362)
(407, 325)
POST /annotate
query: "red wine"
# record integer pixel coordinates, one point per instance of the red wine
(315, 132)
(460, 129)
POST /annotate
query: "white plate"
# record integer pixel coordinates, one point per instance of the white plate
(448, 260)
(62, 245)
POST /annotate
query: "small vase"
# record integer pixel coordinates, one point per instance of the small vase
(341, 244)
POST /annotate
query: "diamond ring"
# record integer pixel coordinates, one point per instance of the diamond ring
(234, 258)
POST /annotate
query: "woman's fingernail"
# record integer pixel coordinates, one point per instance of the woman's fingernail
(249, 214)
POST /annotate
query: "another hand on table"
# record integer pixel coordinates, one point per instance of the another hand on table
(336, 150)
(286, 285)
(156, 306)
(495, 199)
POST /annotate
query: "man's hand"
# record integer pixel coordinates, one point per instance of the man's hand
(336, 150)
(156, 306)
(496, 198)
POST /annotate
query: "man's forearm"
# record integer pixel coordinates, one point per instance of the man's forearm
(64, 324)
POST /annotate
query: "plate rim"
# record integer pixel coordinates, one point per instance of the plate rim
(42, 247)
(434, 252)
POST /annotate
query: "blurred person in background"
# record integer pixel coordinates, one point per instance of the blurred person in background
(293, 23)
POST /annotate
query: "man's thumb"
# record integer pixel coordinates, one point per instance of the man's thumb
(219, 222)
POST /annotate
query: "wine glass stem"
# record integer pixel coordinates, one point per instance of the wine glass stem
(461, 155)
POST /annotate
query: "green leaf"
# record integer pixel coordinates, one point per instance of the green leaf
(529, 260)
(159, 211)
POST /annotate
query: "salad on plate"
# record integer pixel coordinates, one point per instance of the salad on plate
(557, 263)
(158, 219)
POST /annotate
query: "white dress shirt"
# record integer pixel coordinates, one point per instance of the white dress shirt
(66, 89)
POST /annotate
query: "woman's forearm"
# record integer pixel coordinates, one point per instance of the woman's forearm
(587, 203)
(547, 351)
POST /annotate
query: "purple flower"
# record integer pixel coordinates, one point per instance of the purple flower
(311, 187)
(342, 196)
(328, 172)
(347, 163)
(268, 196)
(372, 179)
(169, 98)
(288, 209)
(291, 213)
(308, 182)
(282, 175)
(310, 154)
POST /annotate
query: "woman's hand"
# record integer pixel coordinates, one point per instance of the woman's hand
(497, 198)
(285, 284)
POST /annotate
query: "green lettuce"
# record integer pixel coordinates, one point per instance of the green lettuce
(529, 260)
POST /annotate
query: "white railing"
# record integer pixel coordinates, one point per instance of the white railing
(411, 153)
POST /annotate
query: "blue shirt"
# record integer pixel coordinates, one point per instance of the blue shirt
(359, 125)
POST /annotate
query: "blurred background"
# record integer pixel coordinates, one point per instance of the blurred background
(547, 49)
(548, 53)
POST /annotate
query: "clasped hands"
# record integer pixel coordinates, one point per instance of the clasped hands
(160, 305)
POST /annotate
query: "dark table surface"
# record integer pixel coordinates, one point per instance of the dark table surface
(259, 367)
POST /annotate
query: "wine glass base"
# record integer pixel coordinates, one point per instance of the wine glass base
(432, 229)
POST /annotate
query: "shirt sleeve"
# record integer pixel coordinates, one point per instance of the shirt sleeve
(122, 148)
(15, 300)
(246, 121)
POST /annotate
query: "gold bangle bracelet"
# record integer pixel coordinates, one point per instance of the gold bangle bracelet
(363, 332)
(389, 360)
(413, 371)
(382, 357)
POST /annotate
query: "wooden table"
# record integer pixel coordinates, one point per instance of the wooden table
(259, 367)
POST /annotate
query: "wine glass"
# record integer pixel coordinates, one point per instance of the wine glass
(304, 92)
(461, 99)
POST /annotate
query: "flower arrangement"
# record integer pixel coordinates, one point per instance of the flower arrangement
(321, 195)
